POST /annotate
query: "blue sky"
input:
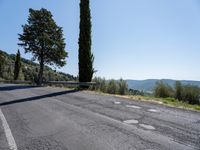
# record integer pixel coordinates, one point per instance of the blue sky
(132, 39)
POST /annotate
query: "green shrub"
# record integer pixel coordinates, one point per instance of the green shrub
(123, 87)
(186, 93)
(178, 90)
(112, 87)
(191, 94)
(163, 90)
(101, 84)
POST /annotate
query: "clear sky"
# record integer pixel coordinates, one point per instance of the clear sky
(132, 39)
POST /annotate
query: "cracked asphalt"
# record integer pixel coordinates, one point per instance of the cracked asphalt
(46, 118)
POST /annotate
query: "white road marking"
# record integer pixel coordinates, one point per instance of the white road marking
(131, 121)
(133, 106)
(8, 133)
(152, 110)
(147, 126)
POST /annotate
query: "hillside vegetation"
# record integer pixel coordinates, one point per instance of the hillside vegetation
(29, 70)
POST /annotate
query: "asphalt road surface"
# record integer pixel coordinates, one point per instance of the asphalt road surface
(44, 118)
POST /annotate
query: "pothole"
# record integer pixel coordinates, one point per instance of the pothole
(149, 127)
(132, 121)
(133, 106)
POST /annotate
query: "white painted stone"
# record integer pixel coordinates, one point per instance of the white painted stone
(133, 106)
(131, 121)
(149, 127)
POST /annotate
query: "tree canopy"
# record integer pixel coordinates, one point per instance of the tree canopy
(44, 39)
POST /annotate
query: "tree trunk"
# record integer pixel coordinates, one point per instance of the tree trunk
(40, 75)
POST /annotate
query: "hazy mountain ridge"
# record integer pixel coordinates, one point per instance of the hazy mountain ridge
(149, 84)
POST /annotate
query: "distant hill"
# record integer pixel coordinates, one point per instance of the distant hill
(149, 84)
(29, 70)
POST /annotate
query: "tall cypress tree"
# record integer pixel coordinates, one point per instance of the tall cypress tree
(2, 63)
(17, 65)
(86, 57)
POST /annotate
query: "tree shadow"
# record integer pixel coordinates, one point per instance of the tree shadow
(16, 87)
(38, 97)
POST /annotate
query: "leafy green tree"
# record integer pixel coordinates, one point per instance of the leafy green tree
(86, 57)
(17, 65)
(178, 90)
(44, 39)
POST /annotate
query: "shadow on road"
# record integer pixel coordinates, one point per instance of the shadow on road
(16, 87)
(38, 97)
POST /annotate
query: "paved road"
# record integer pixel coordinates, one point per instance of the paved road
(56, 119)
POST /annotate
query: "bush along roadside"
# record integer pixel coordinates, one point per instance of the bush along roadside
(181, 96)
(185, 93)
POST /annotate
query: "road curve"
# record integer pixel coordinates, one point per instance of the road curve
(41, 118)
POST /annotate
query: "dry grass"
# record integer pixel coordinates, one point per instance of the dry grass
(164, 101)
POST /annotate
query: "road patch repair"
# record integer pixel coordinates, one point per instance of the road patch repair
(132, 121)
(8, 133)
(153, 110)
(133, 106)
(149, 127)
(117, 103)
